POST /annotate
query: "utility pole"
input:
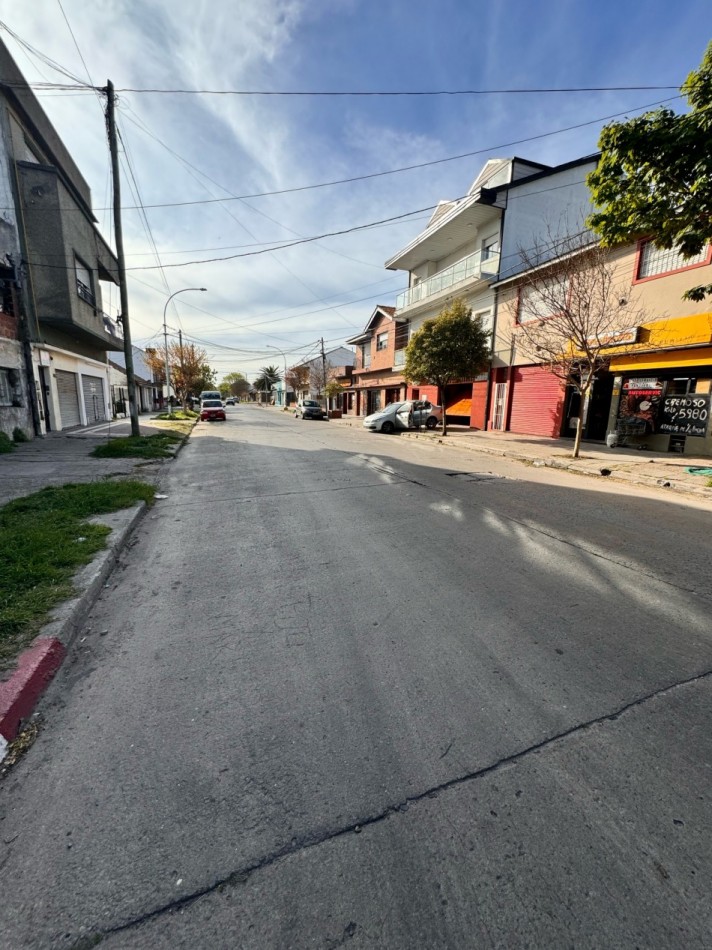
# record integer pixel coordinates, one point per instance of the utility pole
(323, 366)
(119, 236)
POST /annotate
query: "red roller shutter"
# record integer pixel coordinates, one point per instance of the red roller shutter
(537, 401)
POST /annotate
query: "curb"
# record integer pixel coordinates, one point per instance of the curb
(36, 666)
(648, 481)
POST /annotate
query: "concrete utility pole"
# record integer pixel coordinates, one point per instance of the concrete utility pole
(119, 237)
(270, 346)
(323, 366)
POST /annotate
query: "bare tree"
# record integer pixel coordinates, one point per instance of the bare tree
(319, 375)
(572, 311)
(298, 378)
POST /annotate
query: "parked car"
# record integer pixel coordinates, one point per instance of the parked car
(411, 414)
(230, 401)
(310, 409)
(210, 394)
(212, 409)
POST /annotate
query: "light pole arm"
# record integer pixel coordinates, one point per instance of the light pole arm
(165, 340)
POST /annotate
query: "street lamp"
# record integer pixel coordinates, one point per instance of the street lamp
(165, 342)
(270, 346)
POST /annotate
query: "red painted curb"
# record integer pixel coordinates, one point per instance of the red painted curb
(35, 668)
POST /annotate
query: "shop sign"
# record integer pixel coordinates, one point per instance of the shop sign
(685, 415)
(617, 338)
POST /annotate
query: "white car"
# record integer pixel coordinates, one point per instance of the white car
(411, 414)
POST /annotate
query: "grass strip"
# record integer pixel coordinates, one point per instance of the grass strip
(156, 446)
(45, 538)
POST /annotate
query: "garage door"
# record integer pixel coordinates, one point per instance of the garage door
(68, 400)
(537, 400)
(94, 402)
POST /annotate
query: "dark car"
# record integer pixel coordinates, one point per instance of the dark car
(212, 409)
(310, 409)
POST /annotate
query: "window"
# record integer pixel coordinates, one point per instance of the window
(654, 261)
(382, 341)
(84, 282)
(6, 388)
(365, 355)
(543, 299)
(490, 247)
(402, 334)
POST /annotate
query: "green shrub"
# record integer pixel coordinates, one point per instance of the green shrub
(6, 443)
(19, 435)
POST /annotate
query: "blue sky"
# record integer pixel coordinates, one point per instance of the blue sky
(200, 147)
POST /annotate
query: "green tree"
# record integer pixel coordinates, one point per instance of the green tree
(234, 384)
(451, 346)
(654, 176)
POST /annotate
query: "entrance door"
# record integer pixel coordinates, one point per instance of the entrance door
(94, 403)
(500, 401)
(44, 394)
(68, 398)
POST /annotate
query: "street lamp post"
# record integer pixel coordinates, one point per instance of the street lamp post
(165, 342)
(270, 346)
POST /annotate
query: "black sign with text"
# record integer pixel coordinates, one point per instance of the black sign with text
(685, 415)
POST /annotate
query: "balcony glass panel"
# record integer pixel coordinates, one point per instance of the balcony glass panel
(471, 267)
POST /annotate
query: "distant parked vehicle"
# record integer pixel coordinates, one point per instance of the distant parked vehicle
(310, 409)
(210, 394)
(230, 401)
(212, 410)
(411, 414)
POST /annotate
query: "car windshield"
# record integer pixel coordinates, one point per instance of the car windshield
(212, 404)
(312, 403)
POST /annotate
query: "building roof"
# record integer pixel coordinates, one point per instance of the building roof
(379, 311)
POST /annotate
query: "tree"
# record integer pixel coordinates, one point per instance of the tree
(320, 372)
(654, 176)
(298, 378)
(188, 365)
(451, 346)
(571, 312)
(267, 378)
(234, 384)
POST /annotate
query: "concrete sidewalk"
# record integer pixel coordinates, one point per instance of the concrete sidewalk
(654, 469)
(63, 457)
(58, 459)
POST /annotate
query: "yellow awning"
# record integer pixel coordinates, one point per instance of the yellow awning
(696, 356)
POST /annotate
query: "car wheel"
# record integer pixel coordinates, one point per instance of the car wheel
(431, 423)
(387, 427)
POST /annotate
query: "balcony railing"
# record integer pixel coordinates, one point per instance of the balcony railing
(86, 293)
(477, 265)
(112, 327)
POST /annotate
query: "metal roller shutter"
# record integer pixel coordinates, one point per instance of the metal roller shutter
(94, 402)
(68, 400)
(537, 402)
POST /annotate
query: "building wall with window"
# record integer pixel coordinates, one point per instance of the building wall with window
(655, 392)
(52, 230)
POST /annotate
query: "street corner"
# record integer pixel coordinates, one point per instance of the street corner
(20, 692)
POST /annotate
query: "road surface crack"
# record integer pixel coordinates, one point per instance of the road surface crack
(316, 839)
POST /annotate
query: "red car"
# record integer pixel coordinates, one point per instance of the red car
(212, 409)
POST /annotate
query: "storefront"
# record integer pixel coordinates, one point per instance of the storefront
(661, 397)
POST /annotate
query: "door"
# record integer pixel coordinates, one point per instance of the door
(44, 395)
(500, 401)
(537, 402)
(94, 403)
(68, 398)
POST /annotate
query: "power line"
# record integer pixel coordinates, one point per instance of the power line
(414, 167)
(544, 90)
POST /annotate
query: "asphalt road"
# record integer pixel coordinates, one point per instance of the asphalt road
(355, 690)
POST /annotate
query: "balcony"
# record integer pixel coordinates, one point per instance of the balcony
(113, 328)
(477, 266)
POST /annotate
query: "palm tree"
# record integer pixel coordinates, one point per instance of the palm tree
(267, 378)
